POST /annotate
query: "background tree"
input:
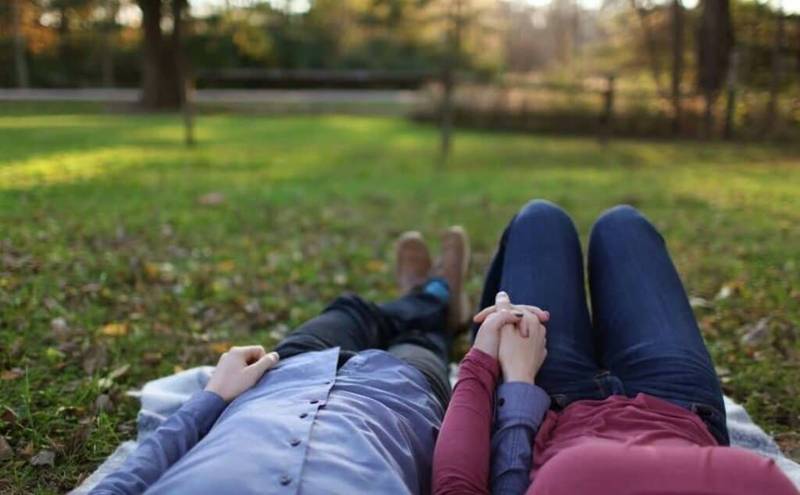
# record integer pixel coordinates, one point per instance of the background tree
(162, 86)
(776, 72)
(714, 43)
(109, 32)
(20, 51)
(677, 64)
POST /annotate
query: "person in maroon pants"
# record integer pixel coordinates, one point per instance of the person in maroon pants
(624, 402)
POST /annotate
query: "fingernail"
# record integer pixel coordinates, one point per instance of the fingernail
(502, 293)
(518, 314)
(275, 356)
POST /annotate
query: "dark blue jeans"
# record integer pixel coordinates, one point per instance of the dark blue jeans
(643, 337)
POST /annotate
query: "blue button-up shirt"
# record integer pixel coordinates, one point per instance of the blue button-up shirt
(304, 428)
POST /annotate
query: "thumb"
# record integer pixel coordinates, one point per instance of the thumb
(266, 362)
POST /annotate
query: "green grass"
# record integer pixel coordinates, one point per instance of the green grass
(100, 222)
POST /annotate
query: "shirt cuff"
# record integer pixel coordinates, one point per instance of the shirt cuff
(205, 407)
(521, 401)
(484, 361)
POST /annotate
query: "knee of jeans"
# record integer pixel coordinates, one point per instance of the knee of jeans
(619, 218)
(353, 305)
(537, 211)
(348, 301)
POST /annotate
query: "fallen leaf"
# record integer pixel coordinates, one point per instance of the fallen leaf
(226, 266)
(159, 272)
(219, 347)
(15, 348)
(118, 372)
(724, 292)
(376, 266)
(50, 303)
(9, 415)
(114, 329)
(151, 357)
(11, 374)
(60, 328)
(699, 302)
(5, 449)
(44, 458)
(279, 332)
(96, 357)
(53, 354)
(755, 333)
(102, 403)
(27, 450)
(211, 199)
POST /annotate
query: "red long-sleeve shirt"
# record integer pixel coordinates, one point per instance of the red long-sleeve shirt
(615, 446)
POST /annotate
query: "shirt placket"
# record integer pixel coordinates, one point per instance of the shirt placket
(296, 443)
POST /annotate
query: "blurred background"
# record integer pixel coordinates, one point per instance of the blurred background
(180, 176)
(630, 67)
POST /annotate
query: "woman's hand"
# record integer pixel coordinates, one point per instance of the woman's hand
(502, 301)
(521, 357)
(239, 369)
(488, 337)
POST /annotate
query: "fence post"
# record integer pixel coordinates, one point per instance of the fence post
(607, 117)
(188, 112)
(730, 104)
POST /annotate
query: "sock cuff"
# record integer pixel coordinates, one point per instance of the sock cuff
(438, 288)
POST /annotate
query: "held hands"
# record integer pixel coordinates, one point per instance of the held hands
(239, 369)
(515, 335)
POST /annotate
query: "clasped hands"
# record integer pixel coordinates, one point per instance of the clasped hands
(515, 335)
(512, 334)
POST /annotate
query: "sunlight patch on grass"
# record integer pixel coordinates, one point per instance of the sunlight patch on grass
(61, 168)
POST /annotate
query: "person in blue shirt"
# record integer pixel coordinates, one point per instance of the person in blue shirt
(352, 402)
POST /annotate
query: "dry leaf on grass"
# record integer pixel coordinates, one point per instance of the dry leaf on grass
(114, 329)
(211, 199)
(5, 449)
(219, 347)
(11, 374)
(44, 458)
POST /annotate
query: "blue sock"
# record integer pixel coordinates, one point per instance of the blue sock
(438, 288)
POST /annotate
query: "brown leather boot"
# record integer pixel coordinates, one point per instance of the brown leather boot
(412, 261)
(452, 266)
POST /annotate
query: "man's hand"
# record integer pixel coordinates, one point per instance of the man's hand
(488, 337)
(239, 369)
(520, 356)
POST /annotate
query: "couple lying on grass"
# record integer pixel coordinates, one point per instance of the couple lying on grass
(548, 401)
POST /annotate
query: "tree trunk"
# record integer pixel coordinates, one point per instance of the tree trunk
(677, 65)
(714, 44)
(451, 63)
(710, 97)
(771, 117)
(20, 55)
(178, 8)
(161, 88)
(607, 117)
(650, 44)
(107, 63)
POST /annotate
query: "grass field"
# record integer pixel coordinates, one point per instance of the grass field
(125, 256)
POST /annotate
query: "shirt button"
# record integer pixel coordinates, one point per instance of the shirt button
(294, 442)
(501, 402)
(286, 479)
(303, 415)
